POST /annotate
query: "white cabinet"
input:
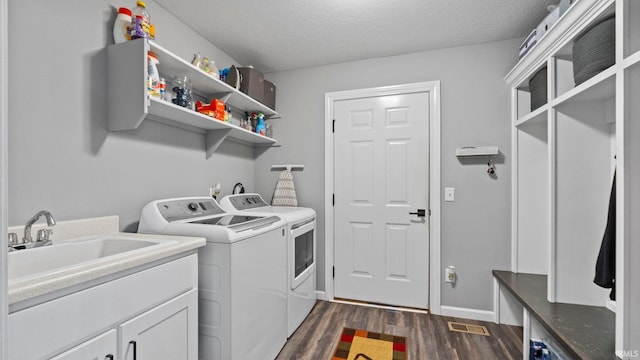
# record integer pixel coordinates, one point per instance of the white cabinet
(129, 103)
(565, 154)
(101, 347)
(166, 332)
(155, 306)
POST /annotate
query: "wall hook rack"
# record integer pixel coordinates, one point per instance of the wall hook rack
(481, 151)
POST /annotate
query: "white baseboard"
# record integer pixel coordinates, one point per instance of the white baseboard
(465, 313)
(321, 295)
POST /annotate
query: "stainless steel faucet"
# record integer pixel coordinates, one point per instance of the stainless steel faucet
(27, 228)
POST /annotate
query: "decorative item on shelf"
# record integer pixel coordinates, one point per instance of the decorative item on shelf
(182, 91)
(594, 50)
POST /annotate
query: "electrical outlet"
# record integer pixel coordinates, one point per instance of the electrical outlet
(449, 194)
(450, 274)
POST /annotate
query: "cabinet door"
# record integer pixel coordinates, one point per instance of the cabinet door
(101, 347)
(169, 331)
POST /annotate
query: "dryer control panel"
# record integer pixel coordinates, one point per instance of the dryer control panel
(187, 208)
(247, 201)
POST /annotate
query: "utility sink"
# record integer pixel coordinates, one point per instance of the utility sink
(65, 255)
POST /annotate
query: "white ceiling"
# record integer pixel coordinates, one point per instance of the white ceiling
(276, 35)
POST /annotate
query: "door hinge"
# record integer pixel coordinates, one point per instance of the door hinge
(334, 272)
(333, 199)
(429, 212)
(333, 127)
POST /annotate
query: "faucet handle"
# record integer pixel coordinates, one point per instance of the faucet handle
(13, 239)
(44, 235)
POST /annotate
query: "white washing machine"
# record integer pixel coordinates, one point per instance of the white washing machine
(242, 292)
(301, 251)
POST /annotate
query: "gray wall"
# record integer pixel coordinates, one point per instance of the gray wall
(475, 111)
(61, 157)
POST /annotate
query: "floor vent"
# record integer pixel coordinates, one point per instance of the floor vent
(468, 328)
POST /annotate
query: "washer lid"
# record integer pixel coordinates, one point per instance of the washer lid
(239, 223)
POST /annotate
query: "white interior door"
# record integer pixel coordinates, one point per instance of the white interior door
(381, 175)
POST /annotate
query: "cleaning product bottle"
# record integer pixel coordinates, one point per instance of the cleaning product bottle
(140, 21)
(153, 77)
(260, 128)
(121, 26)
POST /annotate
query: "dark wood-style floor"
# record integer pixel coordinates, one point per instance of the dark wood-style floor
(428, 336)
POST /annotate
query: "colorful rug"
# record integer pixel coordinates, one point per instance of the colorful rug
(356, 344)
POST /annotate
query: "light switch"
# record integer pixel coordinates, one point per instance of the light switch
(449, 194)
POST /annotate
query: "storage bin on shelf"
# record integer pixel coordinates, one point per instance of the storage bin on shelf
(538, 88)
(594, 50)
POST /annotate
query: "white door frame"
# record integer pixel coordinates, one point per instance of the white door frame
(4, 169)
(433, 88)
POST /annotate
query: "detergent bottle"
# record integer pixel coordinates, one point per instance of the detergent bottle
(261, 128)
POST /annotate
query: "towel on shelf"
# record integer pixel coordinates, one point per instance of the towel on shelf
(285, 193)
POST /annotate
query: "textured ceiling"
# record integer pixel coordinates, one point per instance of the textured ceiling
(276, 35)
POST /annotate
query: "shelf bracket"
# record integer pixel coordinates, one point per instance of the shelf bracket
(214, 139)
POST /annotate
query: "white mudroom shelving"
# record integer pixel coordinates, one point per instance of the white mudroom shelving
(129, 103)
(565, 154)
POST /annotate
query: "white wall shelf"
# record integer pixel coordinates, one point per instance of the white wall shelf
(129, 104)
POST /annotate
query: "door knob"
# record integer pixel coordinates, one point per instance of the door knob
(420, 213)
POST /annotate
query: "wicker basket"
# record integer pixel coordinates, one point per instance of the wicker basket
(538, 88)
(594, 50)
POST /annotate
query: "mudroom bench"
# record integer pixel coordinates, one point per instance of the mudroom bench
(574, 331)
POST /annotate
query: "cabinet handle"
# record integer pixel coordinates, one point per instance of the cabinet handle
(109, 356)
(135, 350)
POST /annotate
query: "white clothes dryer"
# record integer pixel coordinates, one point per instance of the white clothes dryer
(301, 251)
(242, 292)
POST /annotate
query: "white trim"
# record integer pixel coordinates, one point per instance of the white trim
(514, 181)
(4, 174)
(433, 88)
(321, 295)
(466, 313)
(526, 332)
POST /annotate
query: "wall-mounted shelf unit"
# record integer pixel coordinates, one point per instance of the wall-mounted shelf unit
(564, 157)
(477, 151)
(129, 104)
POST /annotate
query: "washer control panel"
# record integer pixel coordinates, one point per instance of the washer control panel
(181, 209)
(247, 201)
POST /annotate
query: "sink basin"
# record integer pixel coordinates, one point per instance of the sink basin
(26, 264)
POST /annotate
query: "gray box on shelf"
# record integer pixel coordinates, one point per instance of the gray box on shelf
(547, 23)
(252, 82)
(594, 50)
(529, 42)
(538, 88)
(269, 98)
